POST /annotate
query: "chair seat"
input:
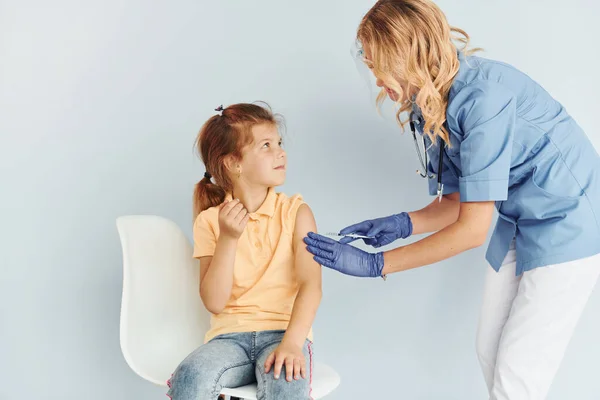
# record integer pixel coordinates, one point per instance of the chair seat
(325, 380)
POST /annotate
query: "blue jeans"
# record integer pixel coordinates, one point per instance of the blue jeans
(237, 359)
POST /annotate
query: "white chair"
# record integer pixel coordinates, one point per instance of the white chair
(162, 316)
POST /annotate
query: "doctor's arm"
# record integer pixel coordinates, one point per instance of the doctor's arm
(437, 215)
(469, 231)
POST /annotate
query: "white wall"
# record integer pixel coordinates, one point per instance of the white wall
(99, 106)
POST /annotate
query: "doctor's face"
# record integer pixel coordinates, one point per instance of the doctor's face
(393, 95)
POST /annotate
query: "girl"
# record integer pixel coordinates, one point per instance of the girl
(256, 277)
(494, 138)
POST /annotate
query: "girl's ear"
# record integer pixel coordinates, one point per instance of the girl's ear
(232, 164)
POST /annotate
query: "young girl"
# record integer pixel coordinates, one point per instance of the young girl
(256, 277)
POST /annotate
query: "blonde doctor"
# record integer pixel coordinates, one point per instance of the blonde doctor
(494, 138)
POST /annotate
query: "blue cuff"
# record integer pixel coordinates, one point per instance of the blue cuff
(484, 190)
(449, 187)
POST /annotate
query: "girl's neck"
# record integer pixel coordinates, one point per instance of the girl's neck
(251, 198)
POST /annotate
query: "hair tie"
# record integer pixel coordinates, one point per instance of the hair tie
(207, 175)
(220, 110)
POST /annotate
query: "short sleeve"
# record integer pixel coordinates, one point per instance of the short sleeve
(289, 210)
(485, 113)
(205, 237)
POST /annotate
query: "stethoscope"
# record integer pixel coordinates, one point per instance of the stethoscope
(440, 186)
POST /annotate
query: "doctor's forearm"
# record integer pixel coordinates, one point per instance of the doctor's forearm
(450, 241)
(437, 215)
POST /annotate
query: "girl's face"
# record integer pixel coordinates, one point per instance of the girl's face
(264, 161)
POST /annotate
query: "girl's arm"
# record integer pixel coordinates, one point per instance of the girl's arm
(308, 275)
(216, 276)
(216, 272)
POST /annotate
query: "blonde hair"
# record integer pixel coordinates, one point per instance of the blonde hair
(412, 40)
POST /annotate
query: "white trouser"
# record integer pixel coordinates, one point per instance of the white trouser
(526, 323)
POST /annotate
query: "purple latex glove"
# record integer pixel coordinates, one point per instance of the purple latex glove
(383, 230)
(344, 258)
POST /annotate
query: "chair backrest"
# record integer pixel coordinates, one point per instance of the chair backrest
(162, 316)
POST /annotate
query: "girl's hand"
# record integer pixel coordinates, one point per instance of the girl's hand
(289, 355)
(233, 218)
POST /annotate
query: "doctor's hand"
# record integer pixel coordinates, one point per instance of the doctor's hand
(344, 258)
(382, 230)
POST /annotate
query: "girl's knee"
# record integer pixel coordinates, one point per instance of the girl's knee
(191, 382)
(270, 388)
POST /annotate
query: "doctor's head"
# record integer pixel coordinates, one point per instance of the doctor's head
(409, 46)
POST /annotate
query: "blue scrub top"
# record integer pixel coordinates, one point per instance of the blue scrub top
(512, 143)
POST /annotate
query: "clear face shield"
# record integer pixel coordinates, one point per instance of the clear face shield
(367, 77)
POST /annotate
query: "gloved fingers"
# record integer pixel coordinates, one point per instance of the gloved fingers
(385, 240)
(325, 262)
(372, 242)
(376, 230)
(347, 239)
(359, 228)
(329, 247)
(319, 252)
(321, 238)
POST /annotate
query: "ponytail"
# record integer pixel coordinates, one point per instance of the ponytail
(207, 195)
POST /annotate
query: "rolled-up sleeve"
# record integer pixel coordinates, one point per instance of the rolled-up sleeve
(485, 113)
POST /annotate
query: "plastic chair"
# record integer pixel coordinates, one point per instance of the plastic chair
(162, 316)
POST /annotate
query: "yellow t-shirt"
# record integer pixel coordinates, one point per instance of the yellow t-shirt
(264, 284)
